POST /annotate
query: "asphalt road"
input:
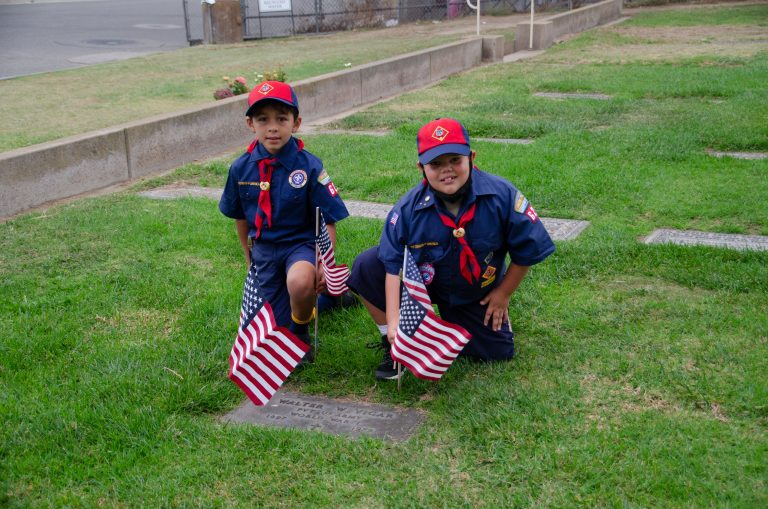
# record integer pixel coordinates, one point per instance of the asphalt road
(49, 35)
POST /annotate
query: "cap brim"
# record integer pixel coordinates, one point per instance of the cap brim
(449, 148)
(261, 101)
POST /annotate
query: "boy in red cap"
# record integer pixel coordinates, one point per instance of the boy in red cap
(271, 193)
(459, 224)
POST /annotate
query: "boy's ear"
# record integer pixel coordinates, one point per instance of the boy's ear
(296, 124)
(419, 166)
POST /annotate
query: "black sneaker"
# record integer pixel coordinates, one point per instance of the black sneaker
(387, 369)
(309, 357)
(347, 300)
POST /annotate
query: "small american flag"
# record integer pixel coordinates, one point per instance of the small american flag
(263, 354)
(413, 281)
(335, 275)
(425, 343)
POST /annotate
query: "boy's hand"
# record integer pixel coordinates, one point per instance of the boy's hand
(391, 334)
(320, 286)
(498, 308)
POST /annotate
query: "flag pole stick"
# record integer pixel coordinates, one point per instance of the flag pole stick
(402, 271)
(317, 271)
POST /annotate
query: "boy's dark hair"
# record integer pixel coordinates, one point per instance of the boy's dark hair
(279, 106)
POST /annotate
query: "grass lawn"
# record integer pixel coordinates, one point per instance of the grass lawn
(640, 379)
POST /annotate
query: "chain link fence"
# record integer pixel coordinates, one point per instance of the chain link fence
(280, 18)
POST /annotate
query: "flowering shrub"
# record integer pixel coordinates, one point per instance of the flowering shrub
(277, 74)
(234, 87)
(223, 93)
(239, 85)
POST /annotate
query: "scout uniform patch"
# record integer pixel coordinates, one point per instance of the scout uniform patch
(297, 179)
(520, 203)
(324, 178)
(427, 272)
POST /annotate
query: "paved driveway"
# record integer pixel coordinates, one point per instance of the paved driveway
(48, 35)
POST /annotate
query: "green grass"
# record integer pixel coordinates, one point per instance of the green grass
(640, 374)
(717, 15)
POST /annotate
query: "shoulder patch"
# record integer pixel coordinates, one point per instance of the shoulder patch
(531, 214)
(393, 219)
(521, 203)
(324, 178)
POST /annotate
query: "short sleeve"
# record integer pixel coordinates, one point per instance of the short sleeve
(527, 240)
(326, 196)
(392, 241)
(230, 204)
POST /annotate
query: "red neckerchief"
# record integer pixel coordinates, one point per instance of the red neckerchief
(470, 269)
(266, 167)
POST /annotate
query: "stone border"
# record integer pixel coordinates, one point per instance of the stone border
(699, 238)
(752, 156)
(559, 229)
(293, 410)
(36, 175)
(546, 30)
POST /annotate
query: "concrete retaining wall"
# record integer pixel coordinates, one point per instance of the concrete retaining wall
(35, 175)
(547, 30)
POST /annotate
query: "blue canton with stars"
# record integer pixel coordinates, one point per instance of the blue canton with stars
(252, 299)
(411, 314)
(411, 271)
(324, 240)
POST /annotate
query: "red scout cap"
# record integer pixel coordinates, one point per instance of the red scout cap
(442, 136)
(274, 90)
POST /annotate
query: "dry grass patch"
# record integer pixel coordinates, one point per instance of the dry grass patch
(619, 44)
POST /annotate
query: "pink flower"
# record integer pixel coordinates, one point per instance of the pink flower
(240, 79)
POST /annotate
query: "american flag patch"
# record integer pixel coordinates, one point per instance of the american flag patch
(393, 219)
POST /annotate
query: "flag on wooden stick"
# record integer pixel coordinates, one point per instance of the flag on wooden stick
(335, 275)
(264, 354)
(425, 343)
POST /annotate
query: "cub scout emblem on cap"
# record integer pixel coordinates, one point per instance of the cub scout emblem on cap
(265, 88)
(297, 179)
(440, 133)
(427, 272)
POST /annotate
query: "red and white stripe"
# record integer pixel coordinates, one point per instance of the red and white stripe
(432, 348)
(335, 275)
(418, 291)
(263, 356)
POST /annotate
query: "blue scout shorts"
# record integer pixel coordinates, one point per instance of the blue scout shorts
(367, 280)
(272, 264)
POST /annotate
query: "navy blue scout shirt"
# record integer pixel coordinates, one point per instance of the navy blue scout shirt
(504, 223)
(299, 184)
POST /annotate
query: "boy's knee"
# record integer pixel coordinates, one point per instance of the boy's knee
(301, 280)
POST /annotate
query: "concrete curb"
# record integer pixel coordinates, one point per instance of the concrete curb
(36, 175)
(546, 30)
